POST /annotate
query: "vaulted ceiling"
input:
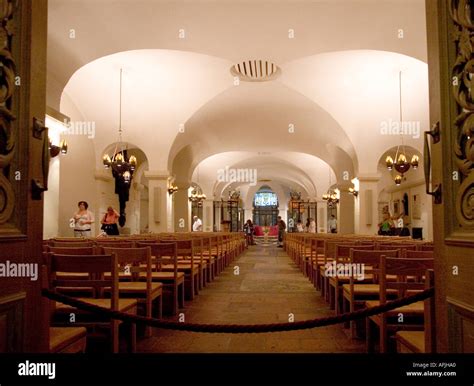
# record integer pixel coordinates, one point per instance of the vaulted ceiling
(339, 61)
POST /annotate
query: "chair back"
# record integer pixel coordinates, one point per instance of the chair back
(94, 265)
(402, 269)
(72, 250)
(115, 243)
(418, 254)
(71, 243)
(343, 251)
(404, 247)
(132, 261)
(163, 254)
(426, 247)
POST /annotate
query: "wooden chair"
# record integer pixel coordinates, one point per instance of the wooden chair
(329, 256)
(70, 340)
(426, 247)
(421, 341)
(67, 340)
(209, 258)
(418, 254)
(335, 282)
(71, 244)
(198, 248)
(114, 243)
(412, 314)
(95, 266)
(216, 252)
(136, 265)
(316, 260)
(402, 247)
(79, 250)
(357, 292)
(164, 258)
(186, 264)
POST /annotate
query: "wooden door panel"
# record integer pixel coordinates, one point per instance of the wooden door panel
(450, 55)
(23, 36)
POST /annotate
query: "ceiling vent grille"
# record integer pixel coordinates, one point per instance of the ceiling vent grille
(256, 70)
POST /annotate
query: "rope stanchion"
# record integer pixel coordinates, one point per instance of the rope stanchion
(236, 328)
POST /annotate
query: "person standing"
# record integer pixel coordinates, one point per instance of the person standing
(109, 222)
(281, 231)
(299, 227)
(385, 227)
(332, 224)
(312, 226)
(197, 224)
(249, 231)
(83, 219)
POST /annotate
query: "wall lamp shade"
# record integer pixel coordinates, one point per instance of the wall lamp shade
(354, 192)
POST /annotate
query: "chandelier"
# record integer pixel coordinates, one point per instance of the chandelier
(400, 162)
(122, 166)
(197, 196)
(330, 196)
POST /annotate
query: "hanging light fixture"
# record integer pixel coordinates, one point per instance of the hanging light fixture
(197, 195)
(121, 166)
(400, 162)
(330, 196)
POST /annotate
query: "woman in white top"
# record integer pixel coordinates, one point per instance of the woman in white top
(312, 226)
(197, 225)
(299, 227)
(83, 219)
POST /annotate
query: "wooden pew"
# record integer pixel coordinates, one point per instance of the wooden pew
(421, 341)
(412, 314)
(95, 266)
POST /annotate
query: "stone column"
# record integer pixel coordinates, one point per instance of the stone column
(182, 207)
(207, 220)
(159, 202)
(322, 215)
(218, 216)
(366, 205)
(345, 218)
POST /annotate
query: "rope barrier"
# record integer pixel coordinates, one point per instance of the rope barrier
(236, 328)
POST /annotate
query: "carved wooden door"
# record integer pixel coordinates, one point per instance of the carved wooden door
(450, 26)
(24, 162)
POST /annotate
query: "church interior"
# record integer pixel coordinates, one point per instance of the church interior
(237, 164)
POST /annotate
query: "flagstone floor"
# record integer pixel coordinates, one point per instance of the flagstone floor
(268, 288)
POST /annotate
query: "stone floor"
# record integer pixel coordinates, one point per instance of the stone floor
(267, 289)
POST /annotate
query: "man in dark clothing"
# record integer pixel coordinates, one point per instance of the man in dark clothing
(281, 230)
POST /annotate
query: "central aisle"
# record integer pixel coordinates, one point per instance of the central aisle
(267, 289)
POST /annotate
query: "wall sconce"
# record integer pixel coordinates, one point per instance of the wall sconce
(172, 189)
(354, 192)
(56, 150)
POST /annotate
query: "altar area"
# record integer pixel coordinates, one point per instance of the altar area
(266, 235)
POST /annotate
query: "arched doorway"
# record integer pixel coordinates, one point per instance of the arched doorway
(265, 207)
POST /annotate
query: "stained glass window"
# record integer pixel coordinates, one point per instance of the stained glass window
(265, 199)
